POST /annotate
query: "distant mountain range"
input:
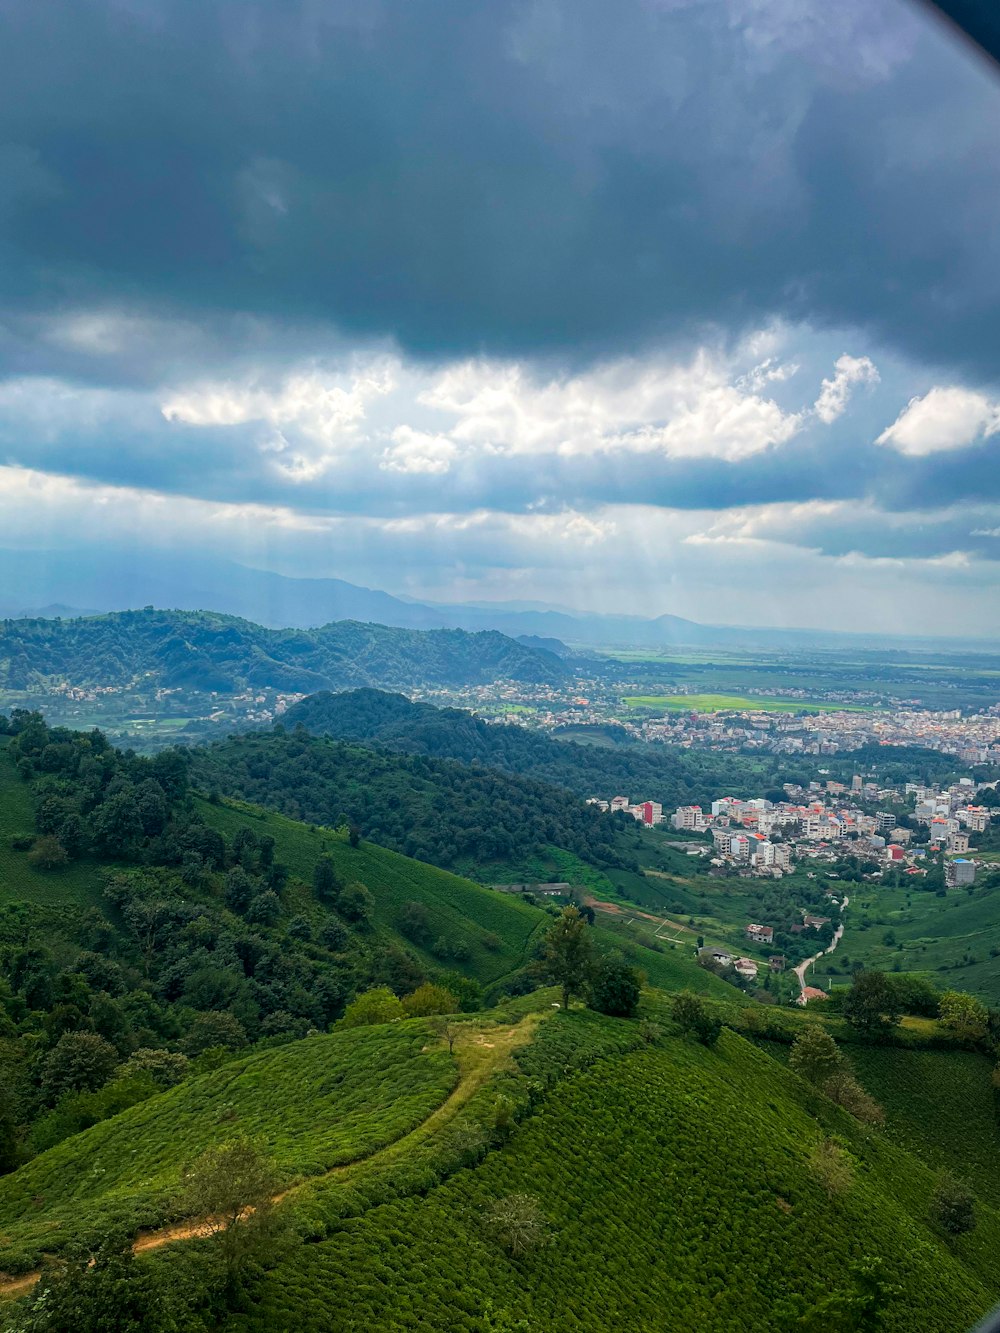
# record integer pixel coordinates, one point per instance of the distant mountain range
(85, 582)
(205, 651)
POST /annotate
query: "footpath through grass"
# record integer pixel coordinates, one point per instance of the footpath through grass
(678, 1188)
(314, 1104)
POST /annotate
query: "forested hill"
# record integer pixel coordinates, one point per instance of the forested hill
(394, 722)
(437, 810)
(205, 651)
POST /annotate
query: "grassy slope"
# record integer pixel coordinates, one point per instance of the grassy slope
(937, 935)
(316, 1104)
(940, 1105)
(458, 908)
(677, 1184)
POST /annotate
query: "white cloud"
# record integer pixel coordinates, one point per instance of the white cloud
(322, 404)
(945, 418)
(417, 451)
(835, 392)
(635, 406)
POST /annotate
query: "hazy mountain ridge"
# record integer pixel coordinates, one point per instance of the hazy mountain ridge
(209, 651)
(113, 580)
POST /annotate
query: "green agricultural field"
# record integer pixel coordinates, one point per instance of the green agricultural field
(926, 1095)
(954, 940)
(676, 1186)
(315, 1104)
(723, 703)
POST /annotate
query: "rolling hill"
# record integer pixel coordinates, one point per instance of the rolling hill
(676, 1186)
(672, 1185)
(206, 651)
(438, 810)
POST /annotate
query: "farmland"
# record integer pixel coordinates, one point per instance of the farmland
(954, 939)
(315, 1104)
(681, 1151)
(722, 703)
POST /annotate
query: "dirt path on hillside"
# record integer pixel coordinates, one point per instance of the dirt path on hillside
(479, 1056)
(615, 909)
(800, 971)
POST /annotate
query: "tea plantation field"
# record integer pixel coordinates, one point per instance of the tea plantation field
(939, 1104)
(954, 939)
(677, 1187)
(314, 1104)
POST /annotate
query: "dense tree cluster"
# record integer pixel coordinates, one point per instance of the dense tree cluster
(205, 957)
(436, 810)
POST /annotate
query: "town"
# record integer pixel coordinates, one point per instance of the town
(829, 821)
(824, 836)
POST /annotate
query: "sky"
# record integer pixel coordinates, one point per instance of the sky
(685, 306)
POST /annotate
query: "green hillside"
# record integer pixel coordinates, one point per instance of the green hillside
(954, 938)
(315, 1104)
(451, 814)
(204, 650)
(496, 928)
(941, 1105)
(677, 1186)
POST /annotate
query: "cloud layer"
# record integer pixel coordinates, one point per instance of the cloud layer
(482, 299)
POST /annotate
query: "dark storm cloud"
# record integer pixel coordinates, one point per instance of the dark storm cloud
(568, 178)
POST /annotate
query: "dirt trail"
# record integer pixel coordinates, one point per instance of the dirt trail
(615, 909)
(479, 1055)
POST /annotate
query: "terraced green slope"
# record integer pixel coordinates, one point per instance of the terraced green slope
(940, 1105)
(678, 1186)
(315, 1104)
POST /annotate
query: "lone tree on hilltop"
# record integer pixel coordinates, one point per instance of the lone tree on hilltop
(567, 954)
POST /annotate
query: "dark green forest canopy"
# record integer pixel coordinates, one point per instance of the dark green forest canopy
(437, 810)
(203, 650)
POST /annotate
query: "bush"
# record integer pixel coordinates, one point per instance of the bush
(953, 1207)
(814, 1055)
(844, 1089)
(430, 999)
(615, 988)
(695, 1019)
(48, 854)
(518, 1224)
(374, 1006)
(832, 1166)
